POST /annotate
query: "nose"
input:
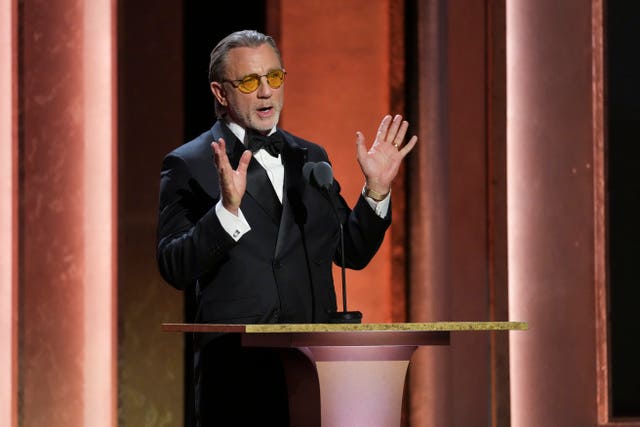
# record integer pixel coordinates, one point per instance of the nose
(264, 90)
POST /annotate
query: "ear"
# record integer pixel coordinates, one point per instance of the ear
(220, 94)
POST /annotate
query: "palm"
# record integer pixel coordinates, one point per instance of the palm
(380, 164)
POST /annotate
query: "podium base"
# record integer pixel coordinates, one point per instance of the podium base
(345, 317)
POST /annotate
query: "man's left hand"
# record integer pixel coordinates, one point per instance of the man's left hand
(380, 164)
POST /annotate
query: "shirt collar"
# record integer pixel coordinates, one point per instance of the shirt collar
(241, 132)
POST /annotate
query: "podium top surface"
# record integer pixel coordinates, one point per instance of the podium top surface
(345, 327)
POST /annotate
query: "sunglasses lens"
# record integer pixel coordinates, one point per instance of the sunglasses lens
(275, 78)
(249, 83)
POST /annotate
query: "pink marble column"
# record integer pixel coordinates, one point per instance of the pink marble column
(100, 178)
(551, 222)
(67, 199)
(457, 208)
(51, 259)
(8, 214)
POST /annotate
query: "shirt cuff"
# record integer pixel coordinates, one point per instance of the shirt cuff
(381, 208)
(235, 226)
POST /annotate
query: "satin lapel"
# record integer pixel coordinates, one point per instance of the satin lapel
(260, 188)
(294, 212)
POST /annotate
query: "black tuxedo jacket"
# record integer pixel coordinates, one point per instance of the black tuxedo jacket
(278, 272)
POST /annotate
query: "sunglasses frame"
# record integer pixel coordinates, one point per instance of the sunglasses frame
(238, 84)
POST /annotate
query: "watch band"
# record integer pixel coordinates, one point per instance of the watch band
(374, 194)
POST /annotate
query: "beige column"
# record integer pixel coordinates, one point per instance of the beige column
(66, 243)
(8, 214)
(551, 222)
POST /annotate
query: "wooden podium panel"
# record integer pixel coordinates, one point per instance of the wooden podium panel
(359, 369)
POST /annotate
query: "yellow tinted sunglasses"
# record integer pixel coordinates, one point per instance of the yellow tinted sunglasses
(251, 82)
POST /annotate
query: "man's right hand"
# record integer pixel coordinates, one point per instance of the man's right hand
(232, 182)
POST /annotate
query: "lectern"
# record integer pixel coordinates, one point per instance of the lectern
(360, 368)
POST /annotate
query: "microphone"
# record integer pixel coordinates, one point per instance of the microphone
(307, 170)
(320, 175)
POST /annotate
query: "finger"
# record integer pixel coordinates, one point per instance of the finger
(399, 138)
(220, 142)
(219, 152)
(382, 129)
(393, 129)
(218, 145)
(409, 146)
(244, 162)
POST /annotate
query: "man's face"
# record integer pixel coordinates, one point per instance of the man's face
(259, 110)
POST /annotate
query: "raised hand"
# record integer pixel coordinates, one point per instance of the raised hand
(233, 183)
(380, 164)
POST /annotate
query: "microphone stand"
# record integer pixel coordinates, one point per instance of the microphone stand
(321, 175)
(343, 316)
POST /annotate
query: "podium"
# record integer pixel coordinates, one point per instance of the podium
(358, 370)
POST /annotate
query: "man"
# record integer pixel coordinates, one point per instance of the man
(252, 235)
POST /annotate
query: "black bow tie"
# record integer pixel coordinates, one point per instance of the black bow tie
(272, 143)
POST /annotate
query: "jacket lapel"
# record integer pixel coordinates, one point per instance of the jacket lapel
(260, 188)
(294, 212)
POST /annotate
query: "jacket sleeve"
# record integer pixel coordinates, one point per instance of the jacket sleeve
(363, 231)
(190, 239)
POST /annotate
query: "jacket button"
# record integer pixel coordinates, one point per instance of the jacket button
(277, 264)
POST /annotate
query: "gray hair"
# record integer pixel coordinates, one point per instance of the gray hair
(218, 57)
